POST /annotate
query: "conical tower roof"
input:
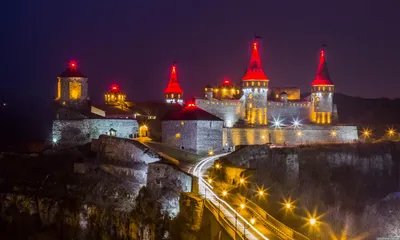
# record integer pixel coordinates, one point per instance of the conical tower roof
(255, 71)
(322, 77)
(173, 85)
(72, 71)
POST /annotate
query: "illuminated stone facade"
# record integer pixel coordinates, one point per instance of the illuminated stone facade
(257, 105)
(308, 134)
(72, 88)
(194, 130)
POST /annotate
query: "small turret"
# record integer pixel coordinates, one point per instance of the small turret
(173, 92)
(322, 90)
(114, 96)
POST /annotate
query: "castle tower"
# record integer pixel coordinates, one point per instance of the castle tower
(114, 96)
(255, 88)
(72, 87)
(173, 93)
(322, 90)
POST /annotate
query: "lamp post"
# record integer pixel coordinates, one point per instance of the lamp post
(241, 207)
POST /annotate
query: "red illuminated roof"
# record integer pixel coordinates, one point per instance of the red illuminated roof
(322, 77)
(173, 85)
(72, 71)
(255, 71)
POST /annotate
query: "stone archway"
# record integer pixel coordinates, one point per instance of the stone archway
(143, 131)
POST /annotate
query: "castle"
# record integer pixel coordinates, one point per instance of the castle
(254, 114)
(77, 121)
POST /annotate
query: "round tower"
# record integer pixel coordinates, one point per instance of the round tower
(255, 88)
(72, 87)
(173, 92)
(322, 90)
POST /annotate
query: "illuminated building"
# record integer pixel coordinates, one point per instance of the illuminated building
(192, 129)
(114, 96)
(226, 90)
(322, 108)
(77, 121)
(173, 92)
(255, 90)
(72, 87)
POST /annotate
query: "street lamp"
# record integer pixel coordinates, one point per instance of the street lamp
(391, 132)
(217, 166)
(241, 180)
(288, 206)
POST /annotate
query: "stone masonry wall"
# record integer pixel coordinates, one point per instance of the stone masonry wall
(309, 134)
(227, 110)
(79, 132)
(288, 111)
(165, 182)
(193, 136)
(209, 136)
(180, 134)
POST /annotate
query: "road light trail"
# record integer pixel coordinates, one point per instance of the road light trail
(231, 214)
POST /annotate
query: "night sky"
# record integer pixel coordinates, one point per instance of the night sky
(133, 43)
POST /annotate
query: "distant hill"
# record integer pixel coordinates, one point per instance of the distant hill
(357, 110)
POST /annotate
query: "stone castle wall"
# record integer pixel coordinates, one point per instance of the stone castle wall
(288, 110)
(209, 136)
(180, 134)
(193, 136)
(227, 110)
(79, 132)
(309, 134)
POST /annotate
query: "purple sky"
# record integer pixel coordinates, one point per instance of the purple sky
(133, 43)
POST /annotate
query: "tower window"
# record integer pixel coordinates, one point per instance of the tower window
(59, 89)
(258, 83)
(172, 95)
(75, 90)
(252, 83)
(179, 96)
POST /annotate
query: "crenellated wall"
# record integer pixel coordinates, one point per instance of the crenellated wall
(289, 110)
(308, 134)
(227, 110)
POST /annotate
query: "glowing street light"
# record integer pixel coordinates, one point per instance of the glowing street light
(312, 221)
(211, 152)
(288, 206)
(252, 220)
(241, 181)
(218, 166)
(391, 132)
(299, 133)
(277, 123)
(224, 193)
(296, 123)
(242, 206)
(209, 180)
(366, 133)
(333, 133)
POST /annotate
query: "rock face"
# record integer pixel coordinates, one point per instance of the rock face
(165, 182)
(342, 180)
